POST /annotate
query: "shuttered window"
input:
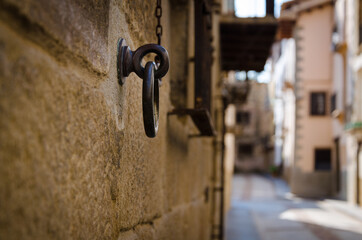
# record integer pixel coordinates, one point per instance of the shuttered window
(333, 102)
(318, 103)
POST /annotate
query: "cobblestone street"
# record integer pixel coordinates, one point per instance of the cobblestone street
(263, 209)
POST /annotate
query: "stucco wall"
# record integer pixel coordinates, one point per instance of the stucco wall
(314, 74)
(75, 161)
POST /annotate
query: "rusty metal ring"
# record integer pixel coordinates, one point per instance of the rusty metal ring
(143, 51)
(150, 100)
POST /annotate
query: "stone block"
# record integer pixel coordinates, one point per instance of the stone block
(81, 26)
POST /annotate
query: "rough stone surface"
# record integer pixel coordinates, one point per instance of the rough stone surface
(75, 161)
(80, 26)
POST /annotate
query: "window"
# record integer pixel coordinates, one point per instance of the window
(322, 159)
(243, 117)
(318, 103)
(333, 103)
(245, 149)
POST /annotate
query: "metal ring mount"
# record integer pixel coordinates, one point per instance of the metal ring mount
(129, 61)
(150, 100)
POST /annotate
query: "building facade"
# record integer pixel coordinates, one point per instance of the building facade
(283, 102)
(325, 95)
(302, 92)
(348, 46)
(313, 172)
(253, 131)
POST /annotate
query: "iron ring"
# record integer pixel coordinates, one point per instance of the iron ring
(150, 100)
(143, 51)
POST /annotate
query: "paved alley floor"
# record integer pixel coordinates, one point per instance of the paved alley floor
(263, 209)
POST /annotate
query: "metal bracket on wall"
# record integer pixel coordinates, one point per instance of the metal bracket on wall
(129, 61)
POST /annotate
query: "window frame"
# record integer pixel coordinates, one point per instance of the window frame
(245, 153)
(311, 103)
(245, 117)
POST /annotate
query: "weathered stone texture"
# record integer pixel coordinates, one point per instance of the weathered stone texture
(80, 26)
(75, 162)
(141, 20)
(57, 162)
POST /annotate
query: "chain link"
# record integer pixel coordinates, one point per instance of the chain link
(158, 14)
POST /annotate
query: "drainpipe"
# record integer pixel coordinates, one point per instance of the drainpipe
(214, 226)
(358, 200)
(217, 231)
(222, 169)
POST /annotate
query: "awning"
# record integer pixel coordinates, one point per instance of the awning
(245, 42)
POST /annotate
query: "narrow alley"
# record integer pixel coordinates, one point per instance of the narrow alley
(262, 208)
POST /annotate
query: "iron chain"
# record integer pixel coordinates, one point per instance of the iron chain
(158, 14)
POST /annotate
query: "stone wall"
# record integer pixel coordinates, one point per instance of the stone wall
(75, 161)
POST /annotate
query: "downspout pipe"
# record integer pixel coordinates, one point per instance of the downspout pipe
(222, 173)
(358, 194)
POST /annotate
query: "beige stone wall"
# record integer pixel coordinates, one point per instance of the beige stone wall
(75, 161)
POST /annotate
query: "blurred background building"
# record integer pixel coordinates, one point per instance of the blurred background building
(317, 93)
(254, 128)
